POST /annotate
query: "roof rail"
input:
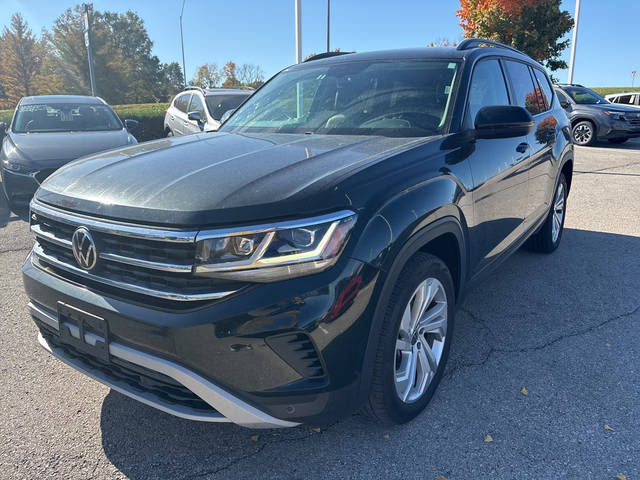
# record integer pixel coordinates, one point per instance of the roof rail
(193, 87)
(570, 85)
(320, 56)
(469, 43)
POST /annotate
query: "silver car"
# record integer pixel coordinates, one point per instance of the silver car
(48, 131)
(198, 110)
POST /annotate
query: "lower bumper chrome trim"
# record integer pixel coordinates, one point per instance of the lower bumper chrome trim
(230, 408)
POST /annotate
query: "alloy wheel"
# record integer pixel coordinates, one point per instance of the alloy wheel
(558, 213)
(421, 340)
(582, 134)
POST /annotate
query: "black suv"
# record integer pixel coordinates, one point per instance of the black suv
(595, 118)
(306, 260)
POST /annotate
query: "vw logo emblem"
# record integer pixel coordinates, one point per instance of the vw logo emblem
(84, 248)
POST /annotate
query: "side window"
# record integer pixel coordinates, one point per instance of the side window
(562, 97)
(613, 99)
(181, 102)
(487, 88)
(626, 99)
(196, 105)
(526, 93)
(545, 87)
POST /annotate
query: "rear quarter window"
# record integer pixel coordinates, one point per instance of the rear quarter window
(182, 101)
(545, 87)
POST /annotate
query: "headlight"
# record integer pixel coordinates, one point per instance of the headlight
(275, 252)
(616, 115)
(11, 160)
(15, 167)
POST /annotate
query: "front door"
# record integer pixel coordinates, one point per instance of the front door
(499, 173)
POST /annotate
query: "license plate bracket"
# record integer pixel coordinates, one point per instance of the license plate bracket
(84, 331)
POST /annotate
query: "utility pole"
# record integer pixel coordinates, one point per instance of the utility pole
(576, 20)
(86, 28)
(633, 77)
(184, 70)
(328, 23)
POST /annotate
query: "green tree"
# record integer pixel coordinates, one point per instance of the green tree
(172, 79)
(20, 59)
(535, 27)
(207, 76)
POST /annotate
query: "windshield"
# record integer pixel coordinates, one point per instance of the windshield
(584, 96)
(65, 117)
(219, 104)
(392, 98)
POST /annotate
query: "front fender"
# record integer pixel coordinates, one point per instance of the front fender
(406, 214)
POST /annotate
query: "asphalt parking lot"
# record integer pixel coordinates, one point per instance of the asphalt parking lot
(563, 327)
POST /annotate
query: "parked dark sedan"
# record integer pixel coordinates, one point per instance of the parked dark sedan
(48, 131)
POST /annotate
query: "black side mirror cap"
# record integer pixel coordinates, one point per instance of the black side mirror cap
(564, 104)
(194, 116)
(131, 124)
(503, 121)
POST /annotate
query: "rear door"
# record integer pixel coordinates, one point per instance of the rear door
(499, 172)
(179, 113)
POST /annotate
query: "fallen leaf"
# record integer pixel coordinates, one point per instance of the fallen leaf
(316, 429)
(441, 477)
(608, 427)
(386, 435)
(607, 344)
(255, 437)
(488, 438)
(621, 476)
(524, 391)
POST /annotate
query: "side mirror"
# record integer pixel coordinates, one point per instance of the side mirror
(564, 104)
(194, 116)
(503, 121)
(131, 124)
(3, 129)
(225, 116)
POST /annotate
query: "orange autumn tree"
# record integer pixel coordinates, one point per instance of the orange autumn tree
(535, 27)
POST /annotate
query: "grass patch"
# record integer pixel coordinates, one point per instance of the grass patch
(607, 90)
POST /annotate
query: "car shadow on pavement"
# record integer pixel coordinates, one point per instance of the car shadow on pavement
(525, 325)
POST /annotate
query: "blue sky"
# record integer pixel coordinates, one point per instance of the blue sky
(261, 31)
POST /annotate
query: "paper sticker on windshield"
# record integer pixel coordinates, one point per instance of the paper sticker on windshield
(447, 90)
(452, 65)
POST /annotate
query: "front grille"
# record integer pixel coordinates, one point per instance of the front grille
(137, 377)
(138, 260)
(635, 121)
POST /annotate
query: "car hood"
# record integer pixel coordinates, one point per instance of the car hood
(55, 149)
(217, 178)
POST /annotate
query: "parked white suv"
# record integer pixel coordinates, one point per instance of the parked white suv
(197, 110)
(625, 98)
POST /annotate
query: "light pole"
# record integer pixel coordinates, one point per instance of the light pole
(298, 14)
(184, 70)
(633, 77)
(574, 40)
(86, 28)
(328, 23)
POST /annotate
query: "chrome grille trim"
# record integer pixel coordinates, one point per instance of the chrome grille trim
(166, 267)
(39, 252)
(143, 233)
(63, 242)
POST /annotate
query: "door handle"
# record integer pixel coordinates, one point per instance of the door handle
(522, 147)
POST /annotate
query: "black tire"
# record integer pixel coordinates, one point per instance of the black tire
(579, 133)
(542, 241)
(384, 404)
(618, 140)
(169, 133)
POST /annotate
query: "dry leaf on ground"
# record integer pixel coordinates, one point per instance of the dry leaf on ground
(524, 391)
(255, 437)
(608, 427)
(488, 438)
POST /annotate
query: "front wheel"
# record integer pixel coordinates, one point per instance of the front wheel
(414, 342)
(584, 133)
(547, 239)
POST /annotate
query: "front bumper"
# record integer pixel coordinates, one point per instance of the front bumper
(223, 354)
(618, 129)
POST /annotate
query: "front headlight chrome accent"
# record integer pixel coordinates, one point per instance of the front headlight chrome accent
(269, 253)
